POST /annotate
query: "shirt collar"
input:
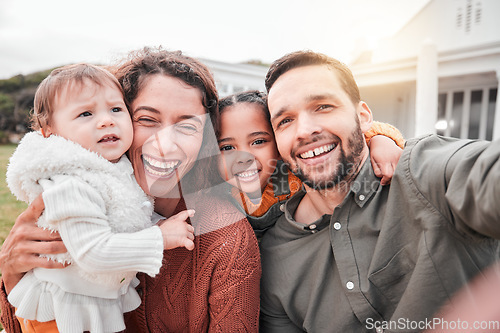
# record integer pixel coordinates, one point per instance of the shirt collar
(291, 206)
(365, 184)
(362, 189)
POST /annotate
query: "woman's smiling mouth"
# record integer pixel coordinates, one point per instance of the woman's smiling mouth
(159, 168)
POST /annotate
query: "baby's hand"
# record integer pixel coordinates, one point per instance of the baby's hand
(177, 232)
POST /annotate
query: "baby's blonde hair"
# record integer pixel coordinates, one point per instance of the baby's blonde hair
(59, 79)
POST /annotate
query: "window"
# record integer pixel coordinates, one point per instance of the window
(467, 113)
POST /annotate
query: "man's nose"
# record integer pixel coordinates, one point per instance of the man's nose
(307, 126)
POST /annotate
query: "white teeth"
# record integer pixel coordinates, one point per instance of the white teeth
(161, 169)
(317, 151)
(247, 174)
(160, 164)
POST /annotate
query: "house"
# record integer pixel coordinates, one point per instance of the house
(234, 78)
(440, 73)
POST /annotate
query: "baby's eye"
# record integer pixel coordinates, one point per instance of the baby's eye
(226, 148)
(259, 141)
(116, 109)
(85, 114)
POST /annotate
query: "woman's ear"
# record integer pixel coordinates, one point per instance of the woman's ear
(365, 116)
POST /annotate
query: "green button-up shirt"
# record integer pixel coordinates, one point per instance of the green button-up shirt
(389, 256)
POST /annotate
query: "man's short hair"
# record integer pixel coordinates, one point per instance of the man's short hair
(310, 58)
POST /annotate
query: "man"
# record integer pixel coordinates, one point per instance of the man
(350, 255)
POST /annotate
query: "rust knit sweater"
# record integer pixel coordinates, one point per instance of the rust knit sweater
(214, 288)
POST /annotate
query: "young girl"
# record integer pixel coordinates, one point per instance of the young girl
(91, 198)
(251, 164)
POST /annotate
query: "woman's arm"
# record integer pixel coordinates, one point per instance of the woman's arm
(21, 249)
(19, 254)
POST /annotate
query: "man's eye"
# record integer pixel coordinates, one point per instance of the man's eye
(226, 148)
(85, 114)
(283, 122)
(324, 107)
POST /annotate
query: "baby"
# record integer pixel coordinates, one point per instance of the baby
(76, 159)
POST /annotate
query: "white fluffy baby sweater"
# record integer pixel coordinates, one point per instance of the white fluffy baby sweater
(103, 218)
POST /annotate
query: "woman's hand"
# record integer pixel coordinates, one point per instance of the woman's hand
(20, 251)
(384, 155)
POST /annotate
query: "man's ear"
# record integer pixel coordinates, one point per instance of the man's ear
(365, 116)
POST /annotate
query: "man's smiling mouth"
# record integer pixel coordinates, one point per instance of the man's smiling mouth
(318, 151)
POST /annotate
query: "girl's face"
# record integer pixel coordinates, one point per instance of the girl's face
(248, 150)
(94, 116)
(168, 118)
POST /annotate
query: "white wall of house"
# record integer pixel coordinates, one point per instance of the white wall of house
(233, 78)
(465, 35)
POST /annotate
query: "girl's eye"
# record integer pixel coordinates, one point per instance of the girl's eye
(226, 148)
(85, 114)
(259, 141)
(116, 109)
(187, 129)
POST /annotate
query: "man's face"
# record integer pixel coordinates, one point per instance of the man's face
(318, 129)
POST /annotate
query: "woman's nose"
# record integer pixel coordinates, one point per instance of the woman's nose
(164, 140)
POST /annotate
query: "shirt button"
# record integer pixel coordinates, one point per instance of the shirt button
(361, 197)
(379, 330)
(349, 285)
(282, 207)
(314, 231)
(312, 226)
(337, 226)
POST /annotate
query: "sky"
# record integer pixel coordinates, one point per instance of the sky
(37, 35)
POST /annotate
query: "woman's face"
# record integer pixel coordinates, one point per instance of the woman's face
(168, 118)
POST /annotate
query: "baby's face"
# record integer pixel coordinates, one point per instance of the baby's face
(248, 150)
(94, 116)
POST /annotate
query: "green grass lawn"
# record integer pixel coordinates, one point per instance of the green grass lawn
(9, 206)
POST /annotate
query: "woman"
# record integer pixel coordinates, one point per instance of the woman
(215, 287)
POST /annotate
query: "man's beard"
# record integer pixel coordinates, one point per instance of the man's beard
(345, 169)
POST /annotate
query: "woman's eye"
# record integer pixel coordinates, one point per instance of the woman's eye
(85, 114)
(187, 129)
(146, 121)
(226, 148)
